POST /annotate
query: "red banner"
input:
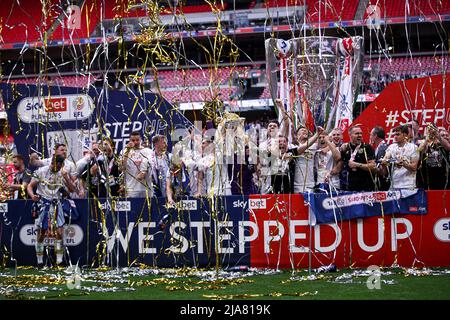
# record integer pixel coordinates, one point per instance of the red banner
(424, 99)
(280, 236)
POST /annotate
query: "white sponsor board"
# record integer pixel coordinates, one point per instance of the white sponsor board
(116, 206)
(442, 230)
(252, 204)
(257, 204)
(73, 235)
(3, 207)
(189, 205)
(365, 198)
(71, 107)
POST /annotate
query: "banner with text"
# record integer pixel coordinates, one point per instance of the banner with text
(42, 116)
(259, 231)
(422, 99)
(328, 208)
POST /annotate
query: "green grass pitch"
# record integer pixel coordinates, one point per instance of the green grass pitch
(104, 284)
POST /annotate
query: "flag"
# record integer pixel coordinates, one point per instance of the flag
(344, 114)
(350, 49)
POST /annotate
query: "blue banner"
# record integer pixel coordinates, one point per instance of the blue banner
(198, 233)
(330, 208)
(37, 114)
(128, 232)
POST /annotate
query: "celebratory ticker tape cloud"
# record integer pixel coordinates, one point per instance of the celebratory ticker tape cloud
(311, 75)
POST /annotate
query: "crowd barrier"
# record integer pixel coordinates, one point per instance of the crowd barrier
(269, 231)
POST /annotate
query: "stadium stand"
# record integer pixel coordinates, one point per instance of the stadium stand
(331, 10)
(22, 23)
(197, 77)
(66, 81)
(193, 85)
(90, 17)
(192, 95)
(113, 10)
(425, 65)
(265, 94)
(283, 3)
(400, 8)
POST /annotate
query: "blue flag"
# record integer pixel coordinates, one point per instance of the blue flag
(330, 208)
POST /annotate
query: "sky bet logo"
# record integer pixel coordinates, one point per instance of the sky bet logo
(69, 107)
(55, 105)
(51, 105)
(257, 204)
(116, 206)
(188, 205)
(239, 204)
(73, 235)
(253, 204)
(442, 230)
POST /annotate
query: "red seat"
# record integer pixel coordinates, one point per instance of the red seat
(331, 10)
(26, 21)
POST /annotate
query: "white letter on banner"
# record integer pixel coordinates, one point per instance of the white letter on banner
(179, 237)
(331, 247)
(395, 236)
(199, 225)
(117, 234)
(222, 237)
(137, 126)
(294, 236)
(145, 236)
(125, 129)
(116, 125)
(405, 114)
(439, 115)
(360, 236)
(267, 237)
(242, 238)
(427, 115)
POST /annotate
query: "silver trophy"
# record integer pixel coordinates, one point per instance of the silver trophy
(306, 72)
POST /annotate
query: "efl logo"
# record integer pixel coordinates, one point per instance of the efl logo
(78, 103)
(258, 204)
(55, 105)
(442, 230)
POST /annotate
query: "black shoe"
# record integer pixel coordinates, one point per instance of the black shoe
(40, 266)
(163, 222)
(326, 269)
(161, 225)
